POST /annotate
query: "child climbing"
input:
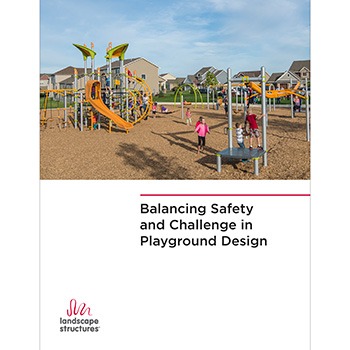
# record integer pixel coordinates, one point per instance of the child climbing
(253, 128)
(240, 133)
(188, 117)
(202, 130)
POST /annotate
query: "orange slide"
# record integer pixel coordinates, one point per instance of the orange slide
(98, 104)
(275, 93)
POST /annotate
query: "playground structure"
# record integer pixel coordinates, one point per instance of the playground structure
(239, 89)
(128, 97)
(195, 91)
(255, 154)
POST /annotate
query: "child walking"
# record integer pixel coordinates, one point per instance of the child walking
(188, 117)
(202, 130)
(253, 128)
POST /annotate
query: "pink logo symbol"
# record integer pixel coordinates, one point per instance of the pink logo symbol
(76, 311)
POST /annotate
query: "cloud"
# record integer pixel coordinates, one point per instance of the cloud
(180, 37)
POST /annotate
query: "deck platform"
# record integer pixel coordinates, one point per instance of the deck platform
(240, 153)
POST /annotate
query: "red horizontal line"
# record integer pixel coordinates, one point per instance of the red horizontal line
(229, 195)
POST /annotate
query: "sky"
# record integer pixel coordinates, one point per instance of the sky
(180, 37)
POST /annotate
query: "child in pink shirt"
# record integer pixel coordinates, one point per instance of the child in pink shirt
(154, 109)
(188, 117)
(202, 130)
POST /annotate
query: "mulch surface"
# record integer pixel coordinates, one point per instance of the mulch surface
(166, 148)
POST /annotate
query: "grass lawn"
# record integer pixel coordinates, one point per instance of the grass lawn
(168, 97)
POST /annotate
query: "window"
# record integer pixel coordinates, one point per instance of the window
(143, 76)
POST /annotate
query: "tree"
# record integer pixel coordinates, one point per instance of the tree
(210, 79)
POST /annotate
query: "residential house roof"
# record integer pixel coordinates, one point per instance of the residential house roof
(203, 70)
(252, 74)
(297, 66)
(70, 71)
(218, 71)
(191, 77)
(127, 61)
(69, 80)
(177, 80)
(274, 77)
(283, 77)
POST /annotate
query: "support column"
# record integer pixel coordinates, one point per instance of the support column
(75, 98)
(218, 163)
(182, 106)
(229, 97)
(256, 166)
(65, 108)
(81, 111)
(291, 99)
(263, 111)
(208, 97)
(307, 112)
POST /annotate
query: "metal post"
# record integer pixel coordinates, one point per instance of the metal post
(92, 69)
(75, 98)
(291, 99)
(218, 163)
(274, 100)
(126, 97)
(182, 106)
(256, 166)
(85, 71)
(229, 96)
(213, 99)
(110, 84)
(245, 105)
(81, 111)
(65, 108)
(236, 99)
(270, 99)
(307, 112)
(122, 91)
(263, 111)
(98, 74)
(208, 97)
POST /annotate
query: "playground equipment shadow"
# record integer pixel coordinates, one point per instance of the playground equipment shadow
(166, 148)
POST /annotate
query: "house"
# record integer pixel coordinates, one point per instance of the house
(190, 79)
(140, 67)
(64, 74)
(251, 74)
(162, 84)
(201, 75)
(301, 69)
(283, 80)
(44, 81)
(173, 84)
(221, 77)
(163, 78)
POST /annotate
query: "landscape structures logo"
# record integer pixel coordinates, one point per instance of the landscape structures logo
(79, 319)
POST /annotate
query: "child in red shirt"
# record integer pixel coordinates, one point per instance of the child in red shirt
(253, 128)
